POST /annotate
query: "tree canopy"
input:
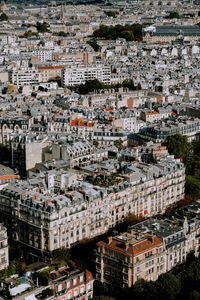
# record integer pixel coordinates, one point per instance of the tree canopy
(118, 144)
(95, 85)
(29, 33)
(178, 145)
(129, 32)
(3, 17)
(90, 86)
(94, 45)
(42, 27)
(111, 13)
(174, 15)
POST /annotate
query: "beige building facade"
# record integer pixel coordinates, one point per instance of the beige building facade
(4, 259)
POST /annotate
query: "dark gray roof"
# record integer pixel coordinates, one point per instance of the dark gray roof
(170, 30)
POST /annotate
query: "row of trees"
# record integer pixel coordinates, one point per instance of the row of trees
(17, 268)
(95, 85)
(129, 32)
(180, 147)
(111, 13)
(29, 34)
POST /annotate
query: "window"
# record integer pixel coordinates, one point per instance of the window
(74, 281)
(59, 287)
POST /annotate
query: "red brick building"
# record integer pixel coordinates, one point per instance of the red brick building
(72, 284)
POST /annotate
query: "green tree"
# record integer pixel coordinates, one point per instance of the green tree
(111, 13)
(128, 84)
(21, 267)
(95, 143)
(11, 270)
(3, 17)
(42, 27)
(127, 34)
(118, 144)
(61, 33)
(94, 45)
(138, 87)
(194, 295)
(130, 32)
(178, 145)
(61, 254)
(129, 220)
(100, 288)
(196, 147)
(193, 275)
(174, 15)
(47, 293)
(29, 33)
(90, 86)
(192, 186)
(3, 273)
(42, 277)
(124, 108)
(168, 286)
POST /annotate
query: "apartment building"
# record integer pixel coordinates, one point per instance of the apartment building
(11, 125)
(126, 120)
(75, 153)
(58, 124)
(4, 259)
(115, 261)
(180, 235)
(48, 73)
(82, 128)
(27, 150)
(26, 76)
(155, 115)
(108, 135)
(7, 176)
(169, 33)
(79, 74)
(126, 258)
(160, 132)
(43, 54)
(46, 220)
(172, 234)
(148, 153)
(72, 284)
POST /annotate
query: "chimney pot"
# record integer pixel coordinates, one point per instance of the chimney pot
(109, 239)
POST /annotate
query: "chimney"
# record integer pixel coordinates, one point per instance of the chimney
(150, 238)
(126, 246)
(109, 240)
